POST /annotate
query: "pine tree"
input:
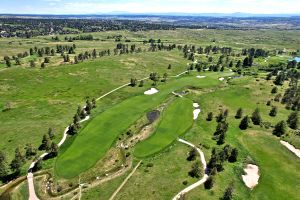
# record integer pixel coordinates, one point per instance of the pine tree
(280, 129)
(3, 166)
(209, 116)
(192, 154)
(244, 123)
(51, 133)
(293, 120)
(43, 65)
(273, 111)
(274, 90)
(30, 151)
(8, 63)
(256, 118)
(233, 156)
(239, 113)
(54, 149)
(195, 171)
(45, 143)
(94, 103)
(228, 194)
(209, 183)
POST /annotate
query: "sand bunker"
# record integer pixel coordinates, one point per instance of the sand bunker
(291, 148)
(196, 105)
(251, 177)
(200, 76)
(196, 113)
(221, 79)
(151, 91)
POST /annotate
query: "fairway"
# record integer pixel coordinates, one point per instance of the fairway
(177, 119)
(96, 138)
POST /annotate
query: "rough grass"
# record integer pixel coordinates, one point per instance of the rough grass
(176, 120)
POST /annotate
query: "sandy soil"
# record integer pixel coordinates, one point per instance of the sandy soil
(291, 148)
(251, 177)
(196, 105)
(151, 91)
(196, 113)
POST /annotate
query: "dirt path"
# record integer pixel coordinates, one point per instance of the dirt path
(201, 181)
(124, 182)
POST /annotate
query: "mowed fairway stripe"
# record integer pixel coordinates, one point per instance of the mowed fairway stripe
(177, 119)
(96, 138)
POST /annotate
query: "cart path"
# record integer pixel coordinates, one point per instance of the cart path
(201, 181)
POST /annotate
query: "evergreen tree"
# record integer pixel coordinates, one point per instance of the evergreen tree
(228, 194)
(32, 63)
(54, 149)
(192, 154)
(293, 120)
(221, 139)
(94, 105)
(209, 183)
(30, 151)
(38, 165)
(51, 133)
(274, 90)
(88, 106)
(233, 156)
(244, 123)
(170, 66)
(273, 111)
(209, 116)
(256, 118)
(8, 63)
(43, 65)
(46, 60)
(239, 113)
(195, 171)
(141, 83)
(3, 166)
(280, 129)
(45, 143)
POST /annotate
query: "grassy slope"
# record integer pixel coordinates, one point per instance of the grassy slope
(176, 120)
(48, 98)
(93, 141)
(277, 165)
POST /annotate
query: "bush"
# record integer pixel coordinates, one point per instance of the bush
(149, 165)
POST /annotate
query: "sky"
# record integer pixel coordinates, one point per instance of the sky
(149, 6)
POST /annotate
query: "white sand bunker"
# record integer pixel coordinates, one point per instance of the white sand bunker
(291, 148)
(195, 105)
(251, 177)
(196, 113)
(221, 79)
(151, 91)
(200, 76)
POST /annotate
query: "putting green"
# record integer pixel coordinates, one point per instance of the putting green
(176, 120)
(92, 143)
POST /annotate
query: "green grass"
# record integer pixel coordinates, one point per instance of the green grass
(164, 179)
(96, 138)
(176, 120)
